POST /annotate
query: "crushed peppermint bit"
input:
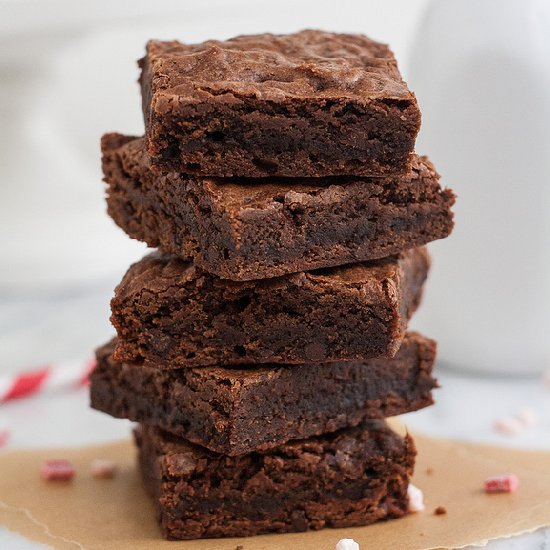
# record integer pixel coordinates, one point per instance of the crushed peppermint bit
(57, 470)
(102, 468)
(527, 417)
(506, 483)
(416, 499)
(440, 511)
(509, 426)
(346, 544)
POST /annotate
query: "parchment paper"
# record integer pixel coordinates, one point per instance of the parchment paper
(98, 514)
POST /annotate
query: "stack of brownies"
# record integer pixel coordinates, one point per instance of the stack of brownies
(263, 344)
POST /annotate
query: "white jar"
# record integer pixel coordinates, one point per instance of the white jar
(481, 72)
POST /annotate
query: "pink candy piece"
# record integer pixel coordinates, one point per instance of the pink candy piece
(509, 426)
(4, 437)
(527, 417)
(506, 483)
(524, 420)
(102, 468)
(57, 470)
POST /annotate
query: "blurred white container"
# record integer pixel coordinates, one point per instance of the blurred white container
(481, 71)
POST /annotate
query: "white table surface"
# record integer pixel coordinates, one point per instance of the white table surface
(70, 323)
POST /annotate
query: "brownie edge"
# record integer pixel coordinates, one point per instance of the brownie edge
(245, 229)
(169, 314)
(311, 103)
(234, 411)
(350, 478)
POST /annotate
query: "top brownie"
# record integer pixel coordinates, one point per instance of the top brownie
(307, 104)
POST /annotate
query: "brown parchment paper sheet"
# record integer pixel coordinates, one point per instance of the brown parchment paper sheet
(97, 514)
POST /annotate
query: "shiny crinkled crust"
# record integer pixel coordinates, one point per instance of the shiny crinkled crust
(307, 64)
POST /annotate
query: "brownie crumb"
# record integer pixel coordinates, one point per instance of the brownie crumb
(440, 511)
(429, 471)
(240, 547)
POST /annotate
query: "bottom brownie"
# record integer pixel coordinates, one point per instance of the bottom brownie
(349, 478)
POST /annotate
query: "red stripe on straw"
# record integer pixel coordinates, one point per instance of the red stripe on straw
(27, 383)
(90, 366)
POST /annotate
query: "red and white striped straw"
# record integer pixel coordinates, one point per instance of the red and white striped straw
(67, 374)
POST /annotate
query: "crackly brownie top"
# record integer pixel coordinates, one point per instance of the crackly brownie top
(280, 193)
(306, 64)
(157, 272)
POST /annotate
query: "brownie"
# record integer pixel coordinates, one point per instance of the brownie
(170, 314)
(243, 229)
(310, 104)
(239, 410)
(349, 478)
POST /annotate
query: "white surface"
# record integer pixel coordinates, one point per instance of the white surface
(481, 71)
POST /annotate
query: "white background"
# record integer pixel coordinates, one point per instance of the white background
(67, 74)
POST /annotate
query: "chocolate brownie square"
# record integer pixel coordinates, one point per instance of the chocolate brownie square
(349, 478)
(308, 104)
(244, 229)
(234, 411)
(170, 314)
